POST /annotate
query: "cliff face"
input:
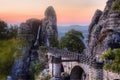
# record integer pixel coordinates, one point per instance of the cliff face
(104, 30)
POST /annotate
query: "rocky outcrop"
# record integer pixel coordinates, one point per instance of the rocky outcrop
(50, 23)
(51, 15)
(25, 33)
(21, 67)
(104, 30)
(37, 33)
(95, 20)
(33, 24)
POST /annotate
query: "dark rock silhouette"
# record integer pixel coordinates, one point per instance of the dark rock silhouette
(95, 20)
(50, 23)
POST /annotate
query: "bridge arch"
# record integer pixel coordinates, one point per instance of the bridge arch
(77, 73)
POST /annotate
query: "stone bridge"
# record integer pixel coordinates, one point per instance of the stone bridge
(78, 65)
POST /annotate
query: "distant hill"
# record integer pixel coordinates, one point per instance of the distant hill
(64, 29)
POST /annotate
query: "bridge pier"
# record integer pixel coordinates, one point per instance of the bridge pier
(96, 71)
(99, 71)
(56, 65)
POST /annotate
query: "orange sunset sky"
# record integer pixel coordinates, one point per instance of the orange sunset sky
(68, 11)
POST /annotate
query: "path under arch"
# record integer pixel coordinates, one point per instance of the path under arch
(77, 73)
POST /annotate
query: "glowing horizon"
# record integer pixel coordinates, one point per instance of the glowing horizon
(68, 12)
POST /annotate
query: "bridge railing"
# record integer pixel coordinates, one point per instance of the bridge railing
(67, 55)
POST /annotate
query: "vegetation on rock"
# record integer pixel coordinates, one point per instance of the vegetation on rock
(9, 48)
(43, 53)
(43, 76)
(112, 59)
(8, 52)
(37, 67)
(43, 49)
(116, 5)
(54, 42)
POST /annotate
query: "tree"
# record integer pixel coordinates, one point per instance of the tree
(3, 29)
(72, 41)
(12, 31)
(7, 32)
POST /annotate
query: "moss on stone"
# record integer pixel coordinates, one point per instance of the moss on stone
(112, 58)
(116, 5)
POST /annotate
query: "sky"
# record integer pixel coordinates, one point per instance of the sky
(68, 11)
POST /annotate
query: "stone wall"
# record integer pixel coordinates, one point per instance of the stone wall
(111, 75)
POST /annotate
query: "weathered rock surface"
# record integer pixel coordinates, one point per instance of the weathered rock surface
(33, 24)
(21, 67)
(37, 33)
(104, 30)
(50, 23)
(95, 20)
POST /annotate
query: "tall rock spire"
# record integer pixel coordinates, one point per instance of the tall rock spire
(50, 14)
(49, 24)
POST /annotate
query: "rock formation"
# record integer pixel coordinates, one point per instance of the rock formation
(50, 23)
(37, 33)
(104, 30)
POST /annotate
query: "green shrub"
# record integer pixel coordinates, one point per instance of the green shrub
(115, 67)
(43, 76)
(8, 52)
(37, 67)
(46, 77)
(106, 66)
(114, 56)
(116, 5)
(108, 55)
